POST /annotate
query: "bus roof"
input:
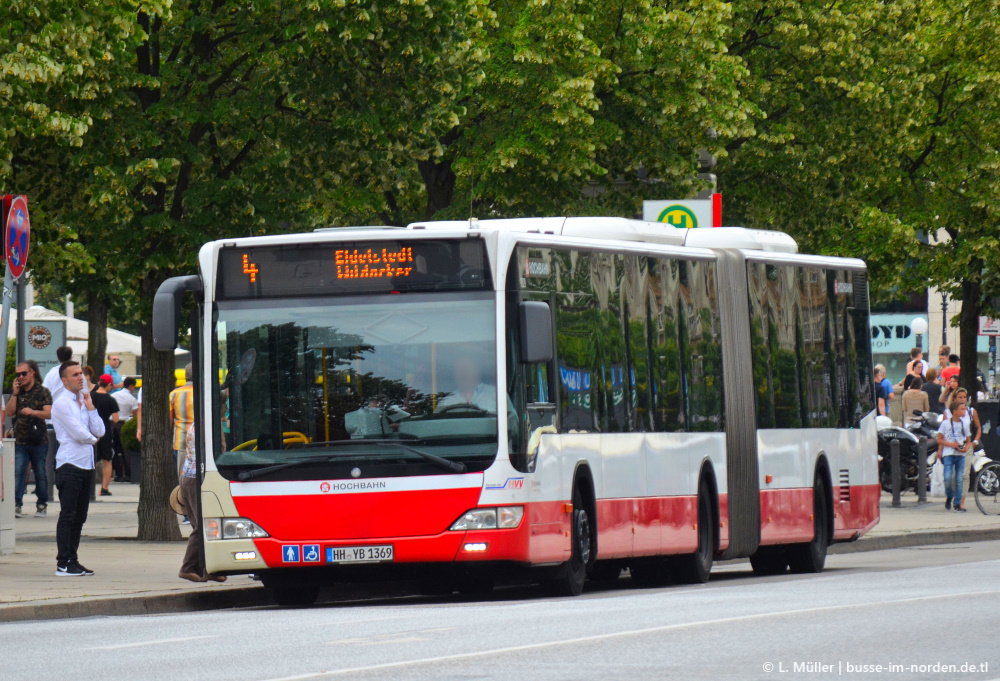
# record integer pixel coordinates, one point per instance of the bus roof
(624, 229)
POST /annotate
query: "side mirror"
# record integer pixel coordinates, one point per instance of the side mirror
(167, 309)
(536, 332)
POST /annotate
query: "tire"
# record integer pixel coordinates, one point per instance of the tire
(809, 558)
(988, 489)
(573, 573)
(295, 596)
(695, 568)
(768, 561)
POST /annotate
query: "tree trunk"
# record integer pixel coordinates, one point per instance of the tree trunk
(439, 179)
(97, 332)
(969, 333)
(157, 521)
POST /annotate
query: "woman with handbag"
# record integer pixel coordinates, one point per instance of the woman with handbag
(29, 405)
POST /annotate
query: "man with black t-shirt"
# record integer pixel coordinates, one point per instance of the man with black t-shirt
(107, 409)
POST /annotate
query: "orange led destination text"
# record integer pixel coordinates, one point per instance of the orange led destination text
(373, 264)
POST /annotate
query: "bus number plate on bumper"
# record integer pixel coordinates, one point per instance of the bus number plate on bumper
(359, 554)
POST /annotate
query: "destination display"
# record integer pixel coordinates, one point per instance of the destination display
(352, 267)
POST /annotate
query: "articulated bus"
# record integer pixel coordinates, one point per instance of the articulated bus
(547, 400)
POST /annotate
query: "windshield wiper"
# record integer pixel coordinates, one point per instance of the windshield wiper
(250, 475)
(453, 466)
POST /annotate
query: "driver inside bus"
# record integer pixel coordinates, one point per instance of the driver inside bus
(470, 390)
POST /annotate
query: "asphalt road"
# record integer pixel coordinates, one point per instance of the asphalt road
(921, 608)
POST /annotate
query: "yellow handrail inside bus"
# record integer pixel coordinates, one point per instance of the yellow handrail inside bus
(289, 438)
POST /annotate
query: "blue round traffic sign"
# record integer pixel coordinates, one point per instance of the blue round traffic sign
(17, 233)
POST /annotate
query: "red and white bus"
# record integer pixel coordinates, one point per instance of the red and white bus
(547, 399)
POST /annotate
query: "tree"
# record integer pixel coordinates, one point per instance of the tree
(228, 119)
(952, 163)
(833, 85)
(577, 95)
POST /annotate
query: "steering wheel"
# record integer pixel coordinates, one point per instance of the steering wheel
(464, 406)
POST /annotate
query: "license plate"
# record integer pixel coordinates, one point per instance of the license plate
(359, 554)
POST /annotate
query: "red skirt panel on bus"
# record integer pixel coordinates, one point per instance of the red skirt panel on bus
(646, 526)
(856, 511)
(786, 516)
(366, 516)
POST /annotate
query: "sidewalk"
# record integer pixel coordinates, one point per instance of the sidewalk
(141, 577)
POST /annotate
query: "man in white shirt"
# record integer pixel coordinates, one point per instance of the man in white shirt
(78, 426)
(52, 381)
(127, 407)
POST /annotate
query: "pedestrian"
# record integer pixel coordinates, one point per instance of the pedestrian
(881, 399)
(953, 369)
(950, 386)
(191, 566)
(890, 393)
(111, 369)
(128, 405)
(30, 405)
(107, 409)
(182, 415)
(52, 380)
(914, 400)
(915, 367)
(88, 378)
(138, 416)
(933, 390)
(943, 353)
(955, 440)
(78, 427)
(961, 397)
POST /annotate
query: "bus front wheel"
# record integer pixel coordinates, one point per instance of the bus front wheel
(573, 574)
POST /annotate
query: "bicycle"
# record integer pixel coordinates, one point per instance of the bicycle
(988, 488)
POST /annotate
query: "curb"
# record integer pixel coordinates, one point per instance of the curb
(931, 538)
(258, 596)
(114, 606)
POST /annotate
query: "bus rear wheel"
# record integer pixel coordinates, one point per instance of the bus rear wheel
(573, 574)
(695, 568)
(811, 557)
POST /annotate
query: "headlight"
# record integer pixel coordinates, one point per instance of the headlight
(233, 528)
(504, 517)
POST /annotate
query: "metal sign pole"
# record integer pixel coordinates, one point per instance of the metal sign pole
(8, 294)
(20, 332)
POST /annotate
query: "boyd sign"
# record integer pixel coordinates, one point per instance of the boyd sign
(891, 333)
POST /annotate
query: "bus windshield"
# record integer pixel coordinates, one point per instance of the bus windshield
(323, 384)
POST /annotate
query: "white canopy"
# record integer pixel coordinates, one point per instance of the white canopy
(77, 333)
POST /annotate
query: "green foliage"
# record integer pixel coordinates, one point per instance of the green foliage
(9, 365)
(129, 439)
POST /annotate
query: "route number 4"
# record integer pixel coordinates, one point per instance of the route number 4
(249, 268)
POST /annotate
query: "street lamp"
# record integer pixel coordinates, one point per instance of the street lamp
(919, 328)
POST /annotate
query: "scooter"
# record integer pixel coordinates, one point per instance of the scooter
(909, 449)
